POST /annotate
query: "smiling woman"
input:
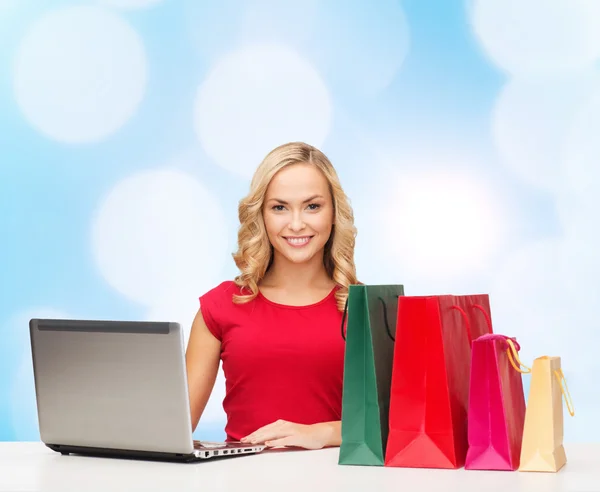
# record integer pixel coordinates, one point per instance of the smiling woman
(300, 226)
(307, 217)
(276, 326)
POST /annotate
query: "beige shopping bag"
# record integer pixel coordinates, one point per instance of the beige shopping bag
(542, 449)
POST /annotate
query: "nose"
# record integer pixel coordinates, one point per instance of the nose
(297, 223)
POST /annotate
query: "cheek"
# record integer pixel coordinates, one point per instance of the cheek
(273, 224)
(323, 223)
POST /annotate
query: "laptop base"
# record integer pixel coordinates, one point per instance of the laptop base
(126, 454)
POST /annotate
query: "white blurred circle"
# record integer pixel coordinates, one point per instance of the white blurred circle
(179, 308)
(440, 224)
(530, 123)
(578, 199)
(80, 74)
(248, 21)
(546, 295)
(130, 4)
(160, 234)
(6, 6)
(256, 99)
(356, 47)
(538, 36)
(269, 21)
(577, 213)
(582, 156)
(359, 46)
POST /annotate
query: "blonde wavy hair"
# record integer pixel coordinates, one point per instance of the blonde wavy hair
(255, 253)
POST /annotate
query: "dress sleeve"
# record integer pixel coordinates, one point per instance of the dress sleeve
(209, 306)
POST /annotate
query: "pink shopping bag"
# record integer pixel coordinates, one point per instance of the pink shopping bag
(496, 413)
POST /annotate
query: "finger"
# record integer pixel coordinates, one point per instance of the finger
(257, 432)
(270, 434)
(277, 430)
(284, 441)
(265, 428)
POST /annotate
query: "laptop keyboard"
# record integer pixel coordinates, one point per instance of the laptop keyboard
(207, 445)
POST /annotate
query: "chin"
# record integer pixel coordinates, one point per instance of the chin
(297, 259)
(299, 256)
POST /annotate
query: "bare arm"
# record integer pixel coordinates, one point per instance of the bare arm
(334, 430)
(202, 364)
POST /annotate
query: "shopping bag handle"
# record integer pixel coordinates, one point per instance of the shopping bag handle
(512, 350)
(486, 315)
(344, 318)
(565, 391)
(385, 319)
(513, 355)
(466, 318)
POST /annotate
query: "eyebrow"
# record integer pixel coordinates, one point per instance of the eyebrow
(283, 202)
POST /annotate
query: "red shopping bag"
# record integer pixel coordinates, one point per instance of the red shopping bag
(496, 405)
(430, 379)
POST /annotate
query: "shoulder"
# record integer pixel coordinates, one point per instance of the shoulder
(220, 294)
(216, 307)
(220, 299)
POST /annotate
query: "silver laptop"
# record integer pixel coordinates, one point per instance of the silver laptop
(117, 388)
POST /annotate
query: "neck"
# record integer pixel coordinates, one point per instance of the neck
(297, 276)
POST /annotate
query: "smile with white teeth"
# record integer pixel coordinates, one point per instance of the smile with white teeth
(298, 241)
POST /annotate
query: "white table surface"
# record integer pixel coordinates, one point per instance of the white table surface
(33, 467)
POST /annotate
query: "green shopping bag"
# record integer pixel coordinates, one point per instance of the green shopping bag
(372, 313)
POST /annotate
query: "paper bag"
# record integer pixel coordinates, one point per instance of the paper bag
(542, 449)
(371, 314)
(496, 405)
(430, 381)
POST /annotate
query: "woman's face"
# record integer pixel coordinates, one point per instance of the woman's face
(298, 213)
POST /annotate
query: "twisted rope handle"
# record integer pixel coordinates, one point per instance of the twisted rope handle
(565, 391)
(515, 354)
(466, 320)
(487, 316)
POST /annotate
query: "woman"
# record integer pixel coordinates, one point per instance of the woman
(277, 326)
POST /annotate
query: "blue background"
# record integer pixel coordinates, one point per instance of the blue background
(467, 155)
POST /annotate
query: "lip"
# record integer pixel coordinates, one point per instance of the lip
(298, 241)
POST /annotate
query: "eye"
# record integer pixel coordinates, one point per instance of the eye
(278, 208)
(314, 206)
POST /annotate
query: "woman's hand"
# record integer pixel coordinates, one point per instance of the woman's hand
(283, 433)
